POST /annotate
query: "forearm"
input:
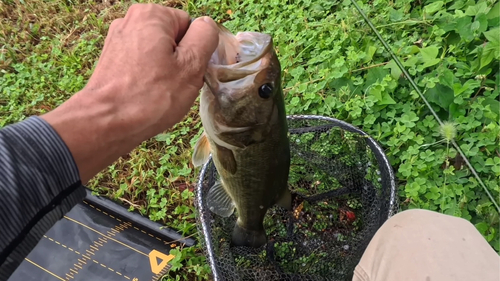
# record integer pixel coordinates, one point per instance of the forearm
(37, 173)
(94, 130)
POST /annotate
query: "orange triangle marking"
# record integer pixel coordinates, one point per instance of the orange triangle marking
(154, 256)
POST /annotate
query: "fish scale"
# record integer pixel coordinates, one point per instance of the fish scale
(256, 177)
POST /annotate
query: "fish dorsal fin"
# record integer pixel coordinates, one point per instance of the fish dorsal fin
(218, 201)
(285, 201)
(201, 151)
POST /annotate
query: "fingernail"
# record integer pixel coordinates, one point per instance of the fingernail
(208, 20)
(204, 18)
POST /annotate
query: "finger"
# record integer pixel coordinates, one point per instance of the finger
(199, 42)
(183, 21)
(173, 21)
(115, 24)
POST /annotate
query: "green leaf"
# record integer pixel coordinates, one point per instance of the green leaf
(297, 72)
(469, 84)
(374, 75)
(448, 25)
(433, 7)
(440, 95)
(431, 62)
(453, 38)
(482, 21)
(464, 28)
(370, 119)
(330, 101)
(482, 227)
(456, 111)
(369, 53)
(395, 15)
(493, 35)
(429, 55)
(494, 12)
(496, 170)
(492, 48)
(381, 94)
(458, 4)
(395, 70)
(493, 103)
(447, 78)
(411, 61)
(475, 26)
(480, 8)
(490, 52)
(341, 82)
(386, 99)
(489, 162)
(429, 52)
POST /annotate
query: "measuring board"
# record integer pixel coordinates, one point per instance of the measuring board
(100, 240)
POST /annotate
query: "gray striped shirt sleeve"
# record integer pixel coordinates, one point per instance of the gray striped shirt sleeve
(39, 183)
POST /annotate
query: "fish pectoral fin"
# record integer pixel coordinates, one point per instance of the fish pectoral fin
(219, 202)
(285, 201)
(226, 159)
(201, 151)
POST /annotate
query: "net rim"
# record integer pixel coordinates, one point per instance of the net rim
(382, 159)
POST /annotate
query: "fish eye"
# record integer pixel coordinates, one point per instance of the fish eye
(265, 91)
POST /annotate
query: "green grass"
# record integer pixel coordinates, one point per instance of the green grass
(333, 65)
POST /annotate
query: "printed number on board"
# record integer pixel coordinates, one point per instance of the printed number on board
(154, 256)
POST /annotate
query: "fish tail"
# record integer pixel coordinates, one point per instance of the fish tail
(248, 238)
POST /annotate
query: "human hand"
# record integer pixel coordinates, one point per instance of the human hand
(155, 66)
(148, 75)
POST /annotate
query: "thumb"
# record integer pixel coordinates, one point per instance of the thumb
(199, 42)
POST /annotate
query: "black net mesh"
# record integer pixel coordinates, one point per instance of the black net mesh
(343, 190)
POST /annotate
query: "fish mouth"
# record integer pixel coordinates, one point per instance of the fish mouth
(239, 62)
(238, 56)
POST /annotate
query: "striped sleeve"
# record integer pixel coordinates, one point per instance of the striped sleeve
(39, 182)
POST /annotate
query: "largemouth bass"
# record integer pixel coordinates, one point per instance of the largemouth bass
(245, 129)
